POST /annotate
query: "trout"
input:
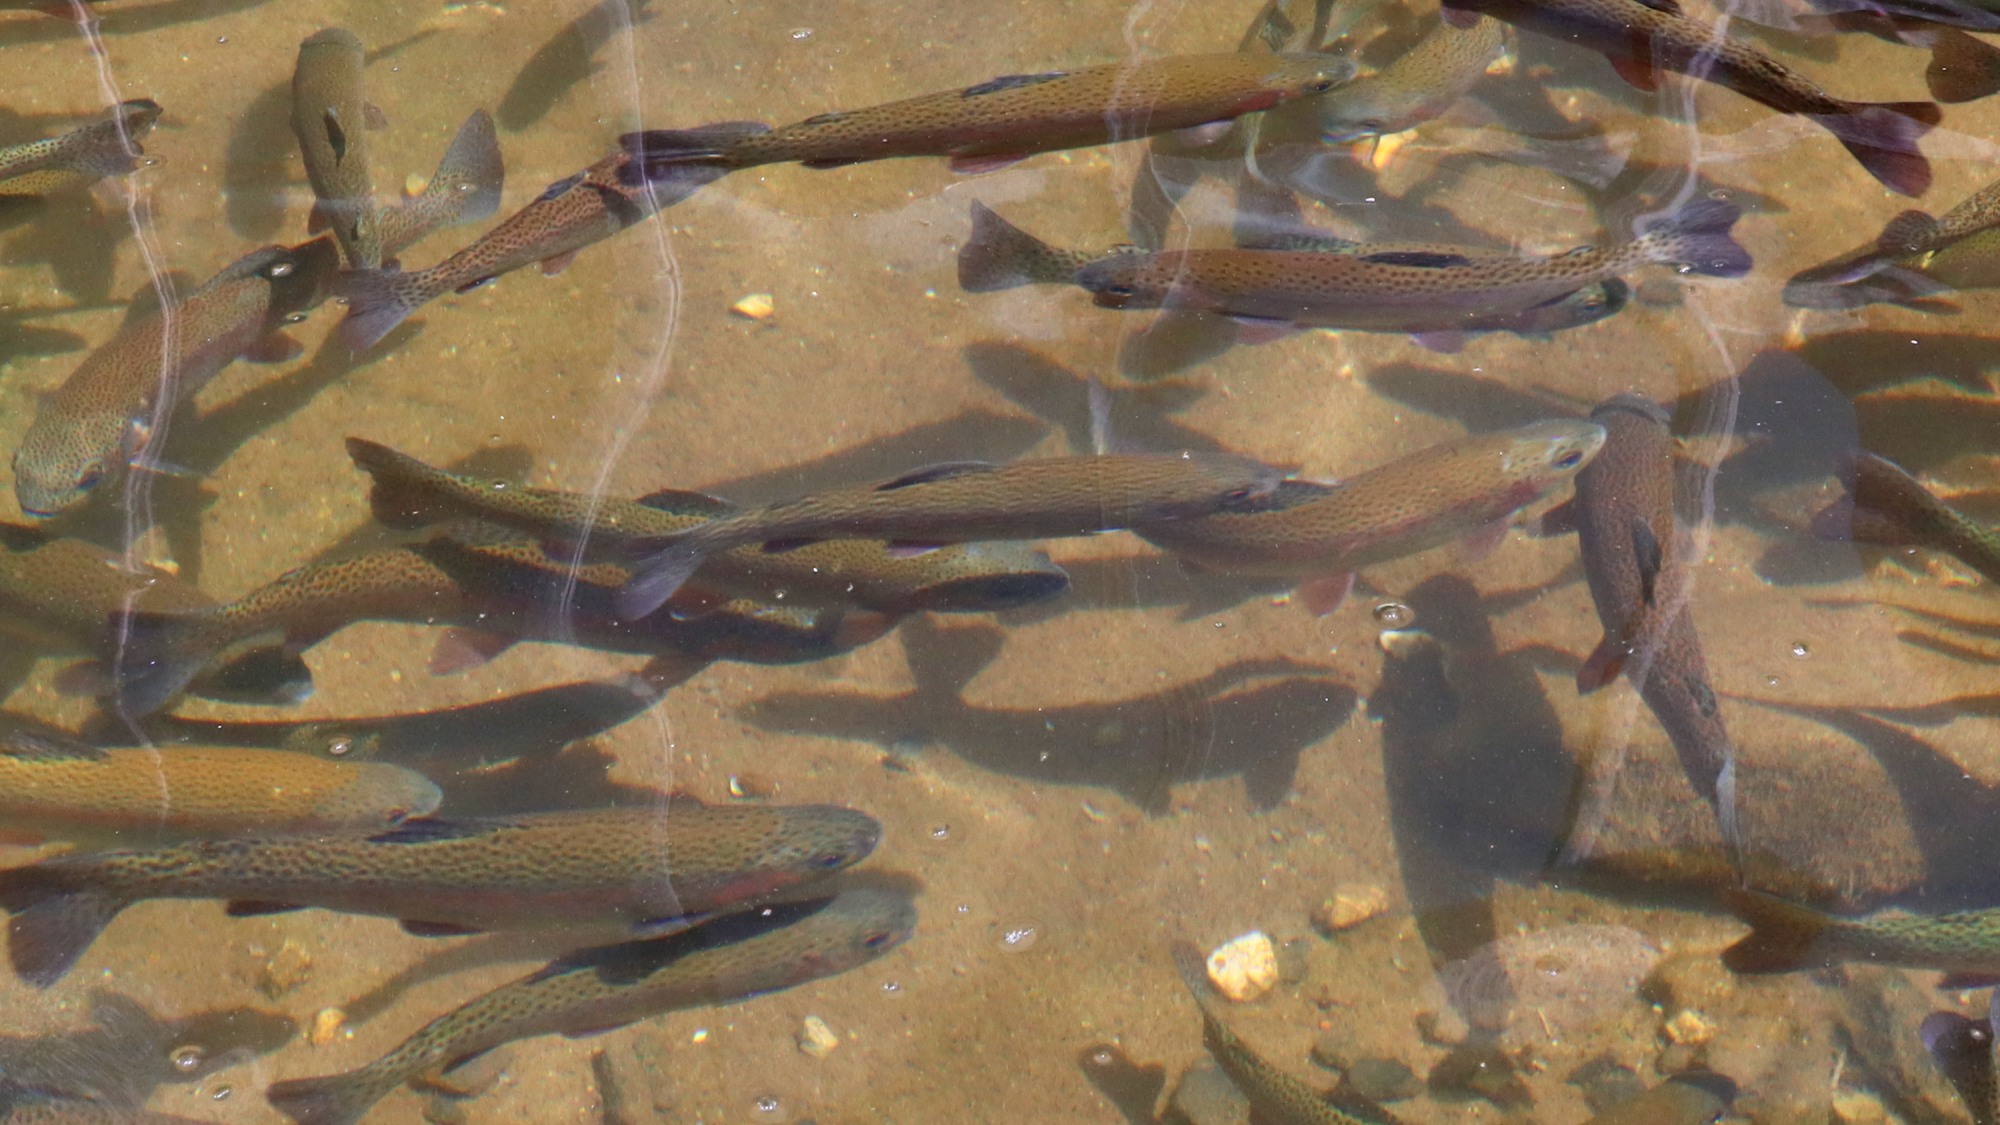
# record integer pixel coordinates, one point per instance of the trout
(1469, 489)
(864, 573)
(80, 157)
(722, 961)
(1887, 506)
(1965, 1049)
(963, 501)
(495, 586)
(464, 189)
(1787, 937)
(53, 787)
(1643, 37)
(104, 414)
(628, 871)
(1007, 119)
(1416, 86)
(330, 120)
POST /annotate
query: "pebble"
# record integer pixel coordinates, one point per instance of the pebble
(1606, 1082)
(1690, 1028)
(1859, 1107)
(1384, 1080)
(1350, 905)
(285, 970)
(816, 1039)
(326, 1026)
(1445, 1027)
(756, 306)
(414, 185)
(1331, 1050)
(1244, 967)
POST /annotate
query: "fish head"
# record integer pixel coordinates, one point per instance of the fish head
(59, 464)
(1126, 281)
(1546, 453)
(138, 116)
(858, 926)
(378, 793)
(1246, 484)
(1309, 75)
(818, 840)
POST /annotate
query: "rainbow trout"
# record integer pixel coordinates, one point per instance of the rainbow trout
(1275, 1097)
(1692, 1097)
(722, 961)
(626, 871)
(1009, 118)
(56, 595)
(32, 1108)
(1636, 558)
(464, 189)
(1416, 86)
(1968, 1051)
(570, 214)
(80, 157)
(960, 502)
(1887, 506)
(1423, 291)
(1787, 937)
(865, 573)
(59, 788)
(103, 415)
(1916, 258)
(1643, 37)
(496, 586)
(1468, 489)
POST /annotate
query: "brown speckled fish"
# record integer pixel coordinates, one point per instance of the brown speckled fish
(866, 573)
(961, 502)
(464, 189)
(721, 961)
(1789, 937)
(31, 1108)
(1968, 1051)
(624, 871)
(58, 788)
(1915, 259)
(329, 118)
(497, 586)
(1635, 556)
(1888, 507)
(1423, 291)
(1468, 489)
(1417, 85)
(80, 157)
(570, 214)
(1643, 37)
(104, 413)
(1003, 120)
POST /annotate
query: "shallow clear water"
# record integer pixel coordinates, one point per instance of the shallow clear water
(1156, 756)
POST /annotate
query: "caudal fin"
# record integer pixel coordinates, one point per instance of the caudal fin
(55, 918)
(1698, 237)
(659, 151)
(398, 496)
(464, 189)
(657, 576)
(154, 656)
(1883, 137)
(337, 1099)
(1962, 68)
(999, 255)
(1784, 936)
(378, 301)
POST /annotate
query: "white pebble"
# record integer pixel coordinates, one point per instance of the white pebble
(1351, 905)
(757, 306)
(817, 1039)
(1244, 968)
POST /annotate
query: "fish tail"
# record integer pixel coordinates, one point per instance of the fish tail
(657, 575)
(1782, 936)
(1698, 236)
(466, 185)
(54, 919)
(659, 151)
(1883, 137)
(379, 300)
(1962, 68)
(400, 496)
(156, 655)
(999, 255)
(336, 1099)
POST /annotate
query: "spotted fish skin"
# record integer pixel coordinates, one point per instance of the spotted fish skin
(1639, 37)
(1889, 507)
(38, 1110)
(58, 788)
(101, 417)
(864, 573)
(625, 871)
(1788, 937)
(81, 157)
(482, 578)
(1418, 85)
(464, 189)
(329, 118)
(1009, 117)
(1968, 1051)
(960, 502)
(719, 962)
(1916, 258)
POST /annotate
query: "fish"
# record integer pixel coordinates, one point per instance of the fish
(1885, 505)
(723, 961)
(496, 587)
(80, 157)
(464, 189)
(963, 501)
(122, 1056)
(1636, 560)
(55, 787)
(567, 216)
(1468, 489)
(1965, 1050)
(626, 871)
(104, 414)
(330, 118)
(1413, 88)
(1692, 1097)
(1915, 259)
(863, 573)
(56, 594)
(33, 1108)
(1788, 937)
(1643, 37)
(1004, 120)
(1275, 1097)
(1962, 68)
(1423, 291)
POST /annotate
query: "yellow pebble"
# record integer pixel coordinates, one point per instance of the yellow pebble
(1354, 903)
(326, 1025)
(757, 306)
(1688, 1027)
(816, 1039)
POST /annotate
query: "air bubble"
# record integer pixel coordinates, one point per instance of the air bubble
(340, 747)
(892, 989)
(221, 1094)
(1019, 939)
(941, 832)
(1800, 650)
(1394, 615)
(1770, 681)
(802, 33)
(767, 1104)
(186, 1059)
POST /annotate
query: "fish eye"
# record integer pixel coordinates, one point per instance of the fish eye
(91, 476)
(880, 939)
(829, 859)
(1570, 460)
(1324, 84)
(1120, 290)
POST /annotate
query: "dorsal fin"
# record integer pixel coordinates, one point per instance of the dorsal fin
(942, 471)
(38, 746)
(1010, 82)
(1421, 259)
(682, 502)
(426, 830)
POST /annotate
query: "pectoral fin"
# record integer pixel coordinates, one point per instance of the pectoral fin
(1324, 595)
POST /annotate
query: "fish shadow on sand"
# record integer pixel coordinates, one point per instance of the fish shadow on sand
(1139, 418)
(1132, 1088)
(1146, 582)
(19, 338)
(1250, 719)
(129, 1052)
(970, 435)
(1864, 360)
(1480, 405)
(114, 20)
(75, 235)
(569, 57)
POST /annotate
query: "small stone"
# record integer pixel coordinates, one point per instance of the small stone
(1859, 1107)
(285, 970)
(816, 1039)
(326, 1026)
(1445, 1028)
(1690, 1028)
(1245, 967)
(1606, 1082)
(1331, 1051)
(756, 306)
(1350, 905)
(414, 185)
(1384, 1080)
